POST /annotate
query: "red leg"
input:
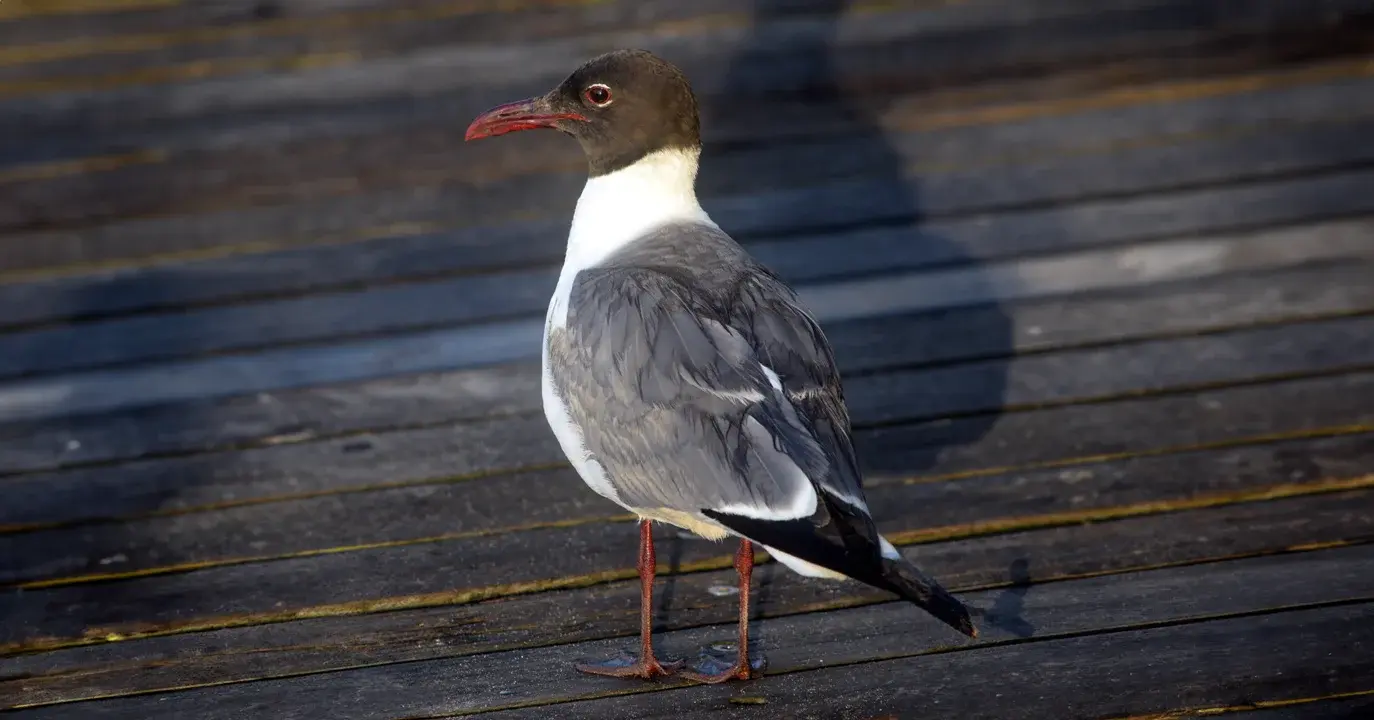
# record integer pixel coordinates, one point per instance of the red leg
(741, 670)
(645, 666)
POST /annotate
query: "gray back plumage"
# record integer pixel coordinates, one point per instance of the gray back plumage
(661, 363)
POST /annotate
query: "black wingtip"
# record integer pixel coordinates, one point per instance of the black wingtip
(908, 581)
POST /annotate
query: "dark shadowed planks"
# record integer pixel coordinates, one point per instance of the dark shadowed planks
(442, 569)
(1208, 210)
(494, 297)
(1014, 620)
(473, 449)
(1224, 662)
(1354, 705)
(495, 342)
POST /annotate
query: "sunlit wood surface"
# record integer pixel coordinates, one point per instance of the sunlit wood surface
(1100, 276)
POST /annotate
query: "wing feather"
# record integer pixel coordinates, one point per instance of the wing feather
(711, 395)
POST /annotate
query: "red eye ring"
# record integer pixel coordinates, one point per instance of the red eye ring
(598, 95)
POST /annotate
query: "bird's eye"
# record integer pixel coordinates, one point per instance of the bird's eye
(598, 95)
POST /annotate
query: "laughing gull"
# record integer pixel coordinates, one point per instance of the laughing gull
(684, 380)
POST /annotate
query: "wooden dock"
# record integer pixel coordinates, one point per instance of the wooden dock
(1100, 275)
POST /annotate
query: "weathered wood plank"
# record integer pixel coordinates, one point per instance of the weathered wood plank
(270, 418)
(1028, 606)
(448, 453)
(1340, 707)
(181, 31)
(939, 242)
(299, 415)
(380, 31)
(506, 503)
(1187, 72)
(486, 298)
(874, 197)
(880, 40)
(374, 576)
(429, 156)
(1224, 662)
(469, 346)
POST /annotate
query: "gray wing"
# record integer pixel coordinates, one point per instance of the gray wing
(692, 401)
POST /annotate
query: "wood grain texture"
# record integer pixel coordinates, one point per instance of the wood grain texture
(494, 297)
(444, 568)
(893, 191)
(606, 611)
(1227, 661)
(706, 49)
(491, 343)
(930, 244)
(298, 415)
(1186, 74)
(513, 502)
(1341, 706)
(184, 183)
(1096, 271)
(1032, 613)
(977, 391)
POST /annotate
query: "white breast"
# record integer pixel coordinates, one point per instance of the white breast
(617, 208)
(614, 210)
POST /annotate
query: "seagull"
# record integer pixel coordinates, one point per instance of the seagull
(682, 378)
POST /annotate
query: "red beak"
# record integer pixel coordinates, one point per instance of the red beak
(522, 115)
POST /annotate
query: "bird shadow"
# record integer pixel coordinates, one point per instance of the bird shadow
(824, 104)
(1008, 608)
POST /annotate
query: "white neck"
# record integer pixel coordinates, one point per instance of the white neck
(618, 207)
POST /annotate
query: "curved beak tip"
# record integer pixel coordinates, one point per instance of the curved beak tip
(516, 116)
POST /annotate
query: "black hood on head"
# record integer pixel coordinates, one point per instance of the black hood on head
(649, 106)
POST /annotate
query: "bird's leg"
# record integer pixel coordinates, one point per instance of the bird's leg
(744, 565)
(644, 666)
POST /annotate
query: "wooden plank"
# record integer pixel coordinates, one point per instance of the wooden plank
(410, 402)
(408, 156)
(1339, 707)
(486, 298)
(807, 258)
(381, 31)
(1072, 38)
(1229, 661)
(588, 548)
(470, 346)
(170, 30)
(1189, 72)
(502, 503)
(923, 444)
(16, 14)
(874, 197)
(453, 635)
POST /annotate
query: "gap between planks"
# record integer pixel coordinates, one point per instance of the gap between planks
(494, 344)
(929, 535)
(1227, 133)
(22, 9)
(1252, 706)
(467, 596)
(369, 19)
(674, 684)
(1154, 93)
(911, 537)
(1102, 399)
(988, 642)
(1023, 275)
(1019, 111)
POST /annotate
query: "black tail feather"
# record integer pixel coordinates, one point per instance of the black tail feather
(907, 580)
(855, 555)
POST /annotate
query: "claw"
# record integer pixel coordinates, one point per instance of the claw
(626, 665)
(713, 670)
